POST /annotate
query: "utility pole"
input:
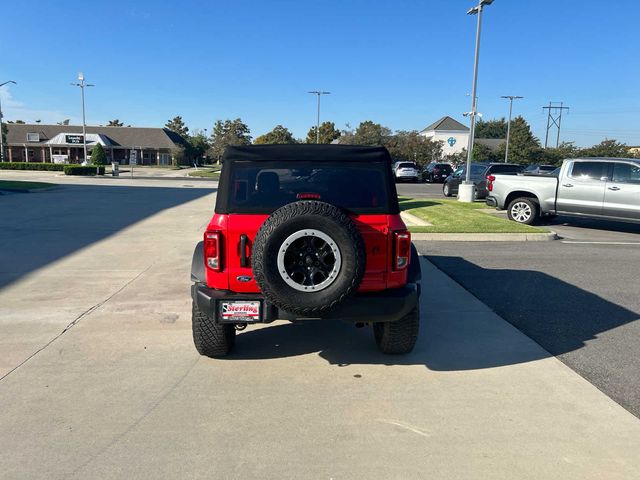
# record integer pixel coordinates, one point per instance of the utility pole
(82, 84)
(466, 189)
(554, 118)
(318, 93)
(1, 138)
(511, 99)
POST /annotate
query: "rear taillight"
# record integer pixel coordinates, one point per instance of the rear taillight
(490, 180)
(402, 249)
(212, 241)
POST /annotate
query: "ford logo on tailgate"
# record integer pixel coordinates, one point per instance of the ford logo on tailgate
(243, 278)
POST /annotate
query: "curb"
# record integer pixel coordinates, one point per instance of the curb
(485, 237)
(412, 220)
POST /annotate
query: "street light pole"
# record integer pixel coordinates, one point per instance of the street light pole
(467, 188)
(1, 138)
(82, 85)
(511, 99)
(318, 93)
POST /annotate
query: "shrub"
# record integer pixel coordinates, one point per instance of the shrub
(98, 157)
(55, 167)
(82, 170)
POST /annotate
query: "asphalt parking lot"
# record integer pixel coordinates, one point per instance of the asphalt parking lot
(99, 375)
(420, 190)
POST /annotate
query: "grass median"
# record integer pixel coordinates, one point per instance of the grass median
(213, 173)
(452, 216)
(20, 186)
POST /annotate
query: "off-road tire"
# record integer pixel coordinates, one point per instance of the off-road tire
(291, 218)
(400, 336)
(531, 204)
(211, 339)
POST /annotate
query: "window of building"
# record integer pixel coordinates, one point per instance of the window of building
(33, 137)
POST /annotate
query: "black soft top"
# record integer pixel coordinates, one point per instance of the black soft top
(309, 153)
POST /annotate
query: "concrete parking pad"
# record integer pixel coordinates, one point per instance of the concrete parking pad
(123, 394)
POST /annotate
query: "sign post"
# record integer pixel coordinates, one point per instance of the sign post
(133, 159)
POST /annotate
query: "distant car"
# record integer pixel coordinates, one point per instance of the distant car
(405, 171)
(540, 169)
(436, 172)
(479, 173)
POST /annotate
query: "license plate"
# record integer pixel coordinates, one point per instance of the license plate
(240, 311)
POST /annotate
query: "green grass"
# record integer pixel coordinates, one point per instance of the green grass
(23, 186)
(207, 173)
(451, 216)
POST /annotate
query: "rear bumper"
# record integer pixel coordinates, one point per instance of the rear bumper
(385, 306)
(491, 201)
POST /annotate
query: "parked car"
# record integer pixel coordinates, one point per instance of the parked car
(314, 240)
(540, 169)
(606, 188)
(479, 172)
(436, 172)
(406, 171)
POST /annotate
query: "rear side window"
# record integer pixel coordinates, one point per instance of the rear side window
(506, 169)
(589, 170)
(626, 173)
(262, 188)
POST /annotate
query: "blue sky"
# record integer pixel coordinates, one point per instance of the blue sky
(401, 63)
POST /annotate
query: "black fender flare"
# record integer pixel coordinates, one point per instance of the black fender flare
(414, 275)
(197, 264)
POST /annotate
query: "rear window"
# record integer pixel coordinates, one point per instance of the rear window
(506, 169)
(407, 165)
(262, 188)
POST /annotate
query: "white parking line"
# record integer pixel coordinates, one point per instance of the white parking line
(601, 243)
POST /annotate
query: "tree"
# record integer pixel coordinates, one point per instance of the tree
(64, 122)
(20, 121)
(496, 128)
(98, 155)
(328, 133)
(411, 146)
(226, 133)
(523, 145)
(177, 125)
(198, 145)
(607, 148)
(279, 135)
(369, 133)
(115, 123)
(483, 153)
(178, 155)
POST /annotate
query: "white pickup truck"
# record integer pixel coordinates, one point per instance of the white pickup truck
(607, 188)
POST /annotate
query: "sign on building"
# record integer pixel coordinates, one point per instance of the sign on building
(74, 139)
(60, 158)
(133, 157)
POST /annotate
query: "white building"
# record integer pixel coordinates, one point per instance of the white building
(453, 134)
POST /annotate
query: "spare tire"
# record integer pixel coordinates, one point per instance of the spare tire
(307, 257)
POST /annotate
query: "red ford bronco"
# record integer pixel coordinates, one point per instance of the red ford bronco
(305, 232)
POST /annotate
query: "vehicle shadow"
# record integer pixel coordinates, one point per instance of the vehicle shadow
(558, 316)
(594, 224)
(39, 228)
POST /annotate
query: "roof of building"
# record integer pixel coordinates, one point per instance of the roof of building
(448, 124)
(140, 137)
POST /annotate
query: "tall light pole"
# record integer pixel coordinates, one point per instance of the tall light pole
(465, 193)
(511, 99)
(82, 84)
(318, 93)
(1, 138)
